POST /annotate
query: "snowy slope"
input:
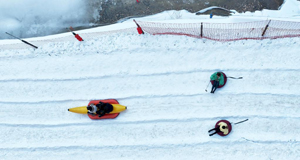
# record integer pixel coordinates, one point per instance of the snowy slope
(162, 81)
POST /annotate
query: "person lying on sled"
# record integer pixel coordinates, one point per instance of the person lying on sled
(217, 80)
(100, 108)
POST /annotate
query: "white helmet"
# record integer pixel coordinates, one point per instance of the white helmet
(92, 108)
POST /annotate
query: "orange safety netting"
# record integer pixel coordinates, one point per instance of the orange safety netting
(268, 29)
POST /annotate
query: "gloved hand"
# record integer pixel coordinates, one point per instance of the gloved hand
(91, 114)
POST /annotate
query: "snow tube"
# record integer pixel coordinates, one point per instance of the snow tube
(117, 108)
(225, 80)
(113, 114)
(227, 130)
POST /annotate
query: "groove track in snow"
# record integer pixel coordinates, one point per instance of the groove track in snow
(121, 75)
(159, 132)
(233, 150)
(140, 85)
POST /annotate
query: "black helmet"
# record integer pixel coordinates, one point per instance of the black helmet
(89, 108)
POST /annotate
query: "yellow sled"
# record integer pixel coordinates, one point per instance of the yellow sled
(117, 108)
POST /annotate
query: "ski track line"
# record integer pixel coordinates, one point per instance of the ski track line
(238, 118)
(129, 133)
(147, 97)
(167, 146)
(123, 74)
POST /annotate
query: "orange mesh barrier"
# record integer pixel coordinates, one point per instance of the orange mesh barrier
(226, 31)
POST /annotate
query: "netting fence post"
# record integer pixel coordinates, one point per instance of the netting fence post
(265, 29)
(23, 41)
(201, 29)
(139, 28)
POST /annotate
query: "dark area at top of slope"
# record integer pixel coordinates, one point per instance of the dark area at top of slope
(114, 10)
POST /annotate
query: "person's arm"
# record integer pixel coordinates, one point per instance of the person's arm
(91, 114)
(221, 82)
(99, 105)
(213, 76)
(101, 113)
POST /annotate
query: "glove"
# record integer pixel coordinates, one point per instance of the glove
(91, 114)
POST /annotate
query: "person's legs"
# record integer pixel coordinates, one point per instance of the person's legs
(212, 129)
(108, 108)
(212, 133)
(215, 85)
(215, 131)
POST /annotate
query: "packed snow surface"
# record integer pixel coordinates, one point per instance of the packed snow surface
(162, 81)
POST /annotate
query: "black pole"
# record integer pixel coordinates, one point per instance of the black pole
(241, 121)
(23, 41)
(136, 23)
(139, 27)
(265, 29)
(201, 29)
(72, 32)
(235, 77)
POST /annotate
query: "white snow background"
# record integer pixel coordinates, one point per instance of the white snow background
(162, 81)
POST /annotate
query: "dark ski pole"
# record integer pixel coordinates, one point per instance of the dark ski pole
(235, 77)
(265, 29)
(240, 121)
(207, 86)
(23, 41)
